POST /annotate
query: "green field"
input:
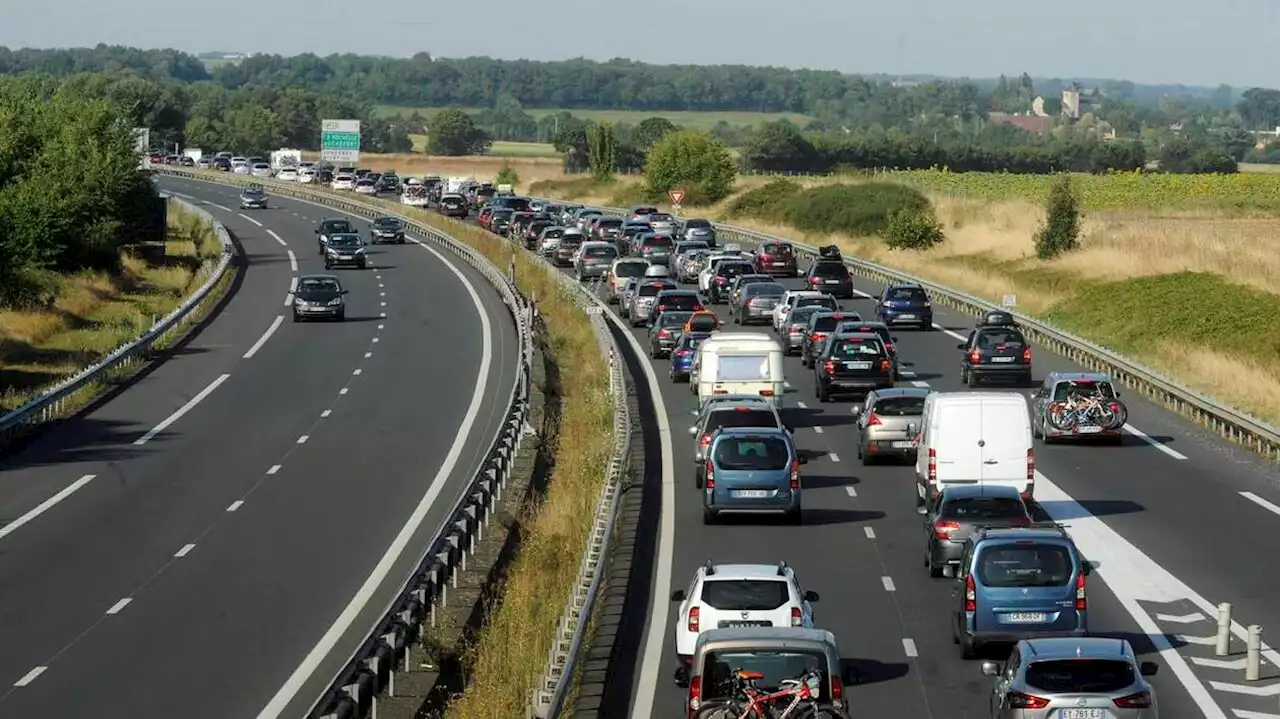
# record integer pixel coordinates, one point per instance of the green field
(689, 120)
(502, 148)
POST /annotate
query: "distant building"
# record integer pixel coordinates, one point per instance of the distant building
(1037, 107)
(1039, 124)
(1076, 102)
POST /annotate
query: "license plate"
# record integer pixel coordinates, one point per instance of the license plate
(1088, 429)
(857, 365)
(737, 623)
(906, 317)
(1082, 713)
(1001, 359)
(833, 282)
(1025, 617)
(344, 257)
(751, 493)
(904, 445)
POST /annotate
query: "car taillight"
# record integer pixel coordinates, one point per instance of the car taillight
(943, 528)
(796, 618)
(705, 441)
(795, 475)
(664, 335)
(1141, 700)
(837, 689)
(817, 337)
(683, 353)
(1026, 355)
(815, 280)
(970, 595)
(933, 465)
(766, 393)
(1018, 700)
(695, 693)
(829, 366)
(873, 419)
(721, 280)
(1031, 469)
(694, 614)
(889, 347)
(1081, 603)
(975, 356)
(710, 479)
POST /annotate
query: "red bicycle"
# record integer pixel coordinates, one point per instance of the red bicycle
(747, 701)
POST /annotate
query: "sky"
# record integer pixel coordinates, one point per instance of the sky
(1145, 41)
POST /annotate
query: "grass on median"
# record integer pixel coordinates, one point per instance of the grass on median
(91, 313)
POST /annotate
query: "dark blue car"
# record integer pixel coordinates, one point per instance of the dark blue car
(684, 353)
(905, 305)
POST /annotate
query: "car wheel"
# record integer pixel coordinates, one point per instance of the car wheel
(934, 570)
(964, 376)
(824, 394)
(968, 649)
(297, 317)
(795, 517)
(709, 516)
(342, 316)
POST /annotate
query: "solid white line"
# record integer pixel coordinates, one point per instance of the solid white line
(293, 262)
(119, 606)
(326, 413)
(275, 325)
(1269, 506)
(259, 224)
(851, 491)
(186, 549)
(946, 331)
(399, 545)
(1153, 442)
(888, 584)
(919, 383)
(1182, 618)
(871, 533)
(235, 505)
(30, 676)
(818, 430)
(303, 439)
(177, 415)
(277, 238)
(44, 506)
(909, 646)
(834, 457)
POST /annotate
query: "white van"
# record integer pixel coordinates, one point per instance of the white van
(739, 363)
(974, 438)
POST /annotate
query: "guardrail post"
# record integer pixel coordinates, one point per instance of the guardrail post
(1253, 653)
(1223, 645)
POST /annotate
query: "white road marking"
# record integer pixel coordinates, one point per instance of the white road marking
(259, 224)
(119, 606)
(888, 584)
(277, 238)
(275, 325)
(367, 355)
(46, 505)
(220, 207)
(1270, 690)
(919, 383)
(357, 372)
(907, 374)
(851, 491)
(802, 405)
(382, 294)
(871, 533)
(1269, 506)
(786, 384)
(834, 457)
(235, 505)
(1182, 618)
(818, 430)
(344, 390)
(384, 304)
(1153, 442)
(946, 331)
(293, 262)
(179, 194)
(303, 439)
(30, 676)
(381, 326)
(1246, 714)
(273, 469)
(375, 340)
(326, 413)
(324, 647)
(382, 315)
(186, 549)
(177, 415)
(380, 285)
(1236, 664)
(909, 646)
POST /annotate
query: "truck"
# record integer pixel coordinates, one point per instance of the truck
(455, 184)
(285, 157)
(194, 153)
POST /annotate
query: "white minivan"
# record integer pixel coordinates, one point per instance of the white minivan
(974, 438)
(739, 363)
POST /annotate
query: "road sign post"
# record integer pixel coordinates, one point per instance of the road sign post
(676, 197)
(340, 140)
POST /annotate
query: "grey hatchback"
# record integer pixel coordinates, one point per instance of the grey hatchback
(960, 510)
(752, 470)
(888, 421)
(1085, 678)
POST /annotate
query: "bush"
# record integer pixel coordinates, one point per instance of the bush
(693, 162)
(767, 203)
(506, 176)
(1061, 230)
(912, 230)
(857, 210)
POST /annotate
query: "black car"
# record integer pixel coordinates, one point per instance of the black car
(454, 205)
(995, 351)
(852, 363)
(253, 198)
(822, 324)
(221, 163)
(320, 297)
(675, 300)
(726, 271)
(831, 277)
(500, 221)
(330, 226)
(389, 182)
(345, 250)
(665, 332)
(388, 229)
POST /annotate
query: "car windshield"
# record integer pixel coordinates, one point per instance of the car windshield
(740, 416)
(316, 284)
(830, 269)
(387, 223)
(856, 349)
(971, 508)
(899, 406)
(630, 269)
(673, 319)
(776, 666)
(1071, 676)
(907, 294)
(752, 453)
(344, 241)
(253, 193)
(755, 595)
(1024, 565)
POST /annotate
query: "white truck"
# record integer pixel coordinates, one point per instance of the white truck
(455, 184)
(194, 153)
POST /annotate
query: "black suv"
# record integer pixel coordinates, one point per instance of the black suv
(995, 349)
(388, 229)
(831, 277)
(852, 363)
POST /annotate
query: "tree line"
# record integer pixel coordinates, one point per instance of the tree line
(70, 191)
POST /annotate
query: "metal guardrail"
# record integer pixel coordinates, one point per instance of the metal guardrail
(52, 402)
(352, 693)
(1227, 422)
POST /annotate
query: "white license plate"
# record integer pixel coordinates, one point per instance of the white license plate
(1089, 429)
(344, 257)
(751, 493)
(857, 365)
(1025, 617)
(1082, 713)
(906, 317)
(903, 445)
(1001, 359)
(832, 282)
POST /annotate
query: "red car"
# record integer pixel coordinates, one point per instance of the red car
(777, 258)
(483, 218)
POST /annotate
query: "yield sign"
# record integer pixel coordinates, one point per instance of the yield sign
(676, 196)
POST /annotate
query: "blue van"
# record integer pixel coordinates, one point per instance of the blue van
(1017, 583)
(752, 470)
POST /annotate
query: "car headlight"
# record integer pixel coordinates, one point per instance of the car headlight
(360, 251)
(335, 301)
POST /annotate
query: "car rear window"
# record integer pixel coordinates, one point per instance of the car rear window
(659, 217)
(913, 294)
(552, 232)
(743, 368)
(745, 453)
(659, 241)
(673, 319)
(825, 301)
(601, 252)
(652, 289)
(1087, 389)
(989, 339)
(570, 241)
(681, 302)
(740, 417)
(776, 249)
(830, 269)
(609, 223)
(733, 269)
(899, 406)
(826, 323)
(630, 269)
(801, 315)
(1081, 675)
(971, 508)
(1025, 565)
(856, 349)
(697, 224)
(755, 595)
(757, 287)
(776, 665)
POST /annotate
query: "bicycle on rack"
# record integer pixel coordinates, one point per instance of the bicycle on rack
(747, 701)
(1091, 410)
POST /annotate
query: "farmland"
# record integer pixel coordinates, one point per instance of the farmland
(689, 120)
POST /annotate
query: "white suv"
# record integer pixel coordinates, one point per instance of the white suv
(740, 595)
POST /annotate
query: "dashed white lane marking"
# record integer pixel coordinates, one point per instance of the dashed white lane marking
(1269, 506)
(909, 646)
(382, 294)
(375, 339)
(1153, 442)
(293, 262)
(871, 533)
(119, 606)
(44, 506)
(344, 390)
(818, 430)
(274, 468)
(30, 676)
(1246, 714)
(357, 372)
(851, 492)
(786, 385)
(384, 304)
(177, 415)
(920, 383)
(303, 439)
(277, 238)
(834, 457)
(367, 355)
(802, 405)
(275, 325)
(186, 549)
(907, 374)
(326, 413)
(235, 505)
(382, 315)
(381, 326)
(380, 285)
(259, 224)
(888, 584)
(949, 333)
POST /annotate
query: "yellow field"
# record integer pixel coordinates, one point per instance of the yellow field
(688, 120)
(502, 148)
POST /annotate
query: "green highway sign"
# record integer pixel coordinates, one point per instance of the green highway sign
(340, 140)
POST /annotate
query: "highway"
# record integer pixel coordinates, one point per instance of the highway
(181, 549)
(1175, 519)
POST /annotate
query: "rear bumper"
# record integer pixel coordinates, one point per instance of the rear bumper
(1013, 637)
(924, 319)
(885, 448)
(1015, 369)
(851, 384)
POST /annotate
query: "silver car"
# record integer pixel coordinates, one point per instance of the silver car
(1072, 678)
(679, 252)
(756, 301)
(626, 293)
(549, 240)
(643, 300)
(888, 421)
(700, 230)
(622, 270)
(796, 328)
(594, 259)
(662, 223)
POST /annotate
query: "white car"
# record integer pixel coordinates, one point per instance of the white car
(740, 595)
(344, 182)
(306, 176)
(366, 187)
(791, 299)
(704, 277)
(261, 169)
(287, 174)
(241, 169)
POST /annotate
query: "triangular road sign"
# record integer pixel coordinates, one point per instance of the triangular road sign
(676, 196)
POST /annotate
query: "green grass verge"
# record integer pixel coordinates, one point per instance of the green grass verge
(688, 120)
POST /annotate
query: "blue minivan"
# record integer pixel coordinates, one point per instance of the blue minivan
(752, 470)
(1017, 583)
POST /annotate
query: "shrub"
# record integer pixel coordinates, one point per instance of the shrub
(858, 210)
(766, 203)
(691, 161)
(1061, 230)
(506, 175)
(912, 230)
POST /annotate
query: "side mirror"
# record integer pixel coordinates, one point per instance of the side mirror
(949, 572)
(1148, 669)
(345, 292)
(693, 431)
(317, 230)
(811, 596)
(682, 677)
(990, 669)
(893, 340)
(677, 595)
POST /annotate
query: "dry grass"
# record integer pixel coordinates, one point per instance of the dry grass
(92, 313)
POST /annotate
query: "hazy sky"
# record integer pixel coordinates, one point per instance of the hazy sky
(1152, 41)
